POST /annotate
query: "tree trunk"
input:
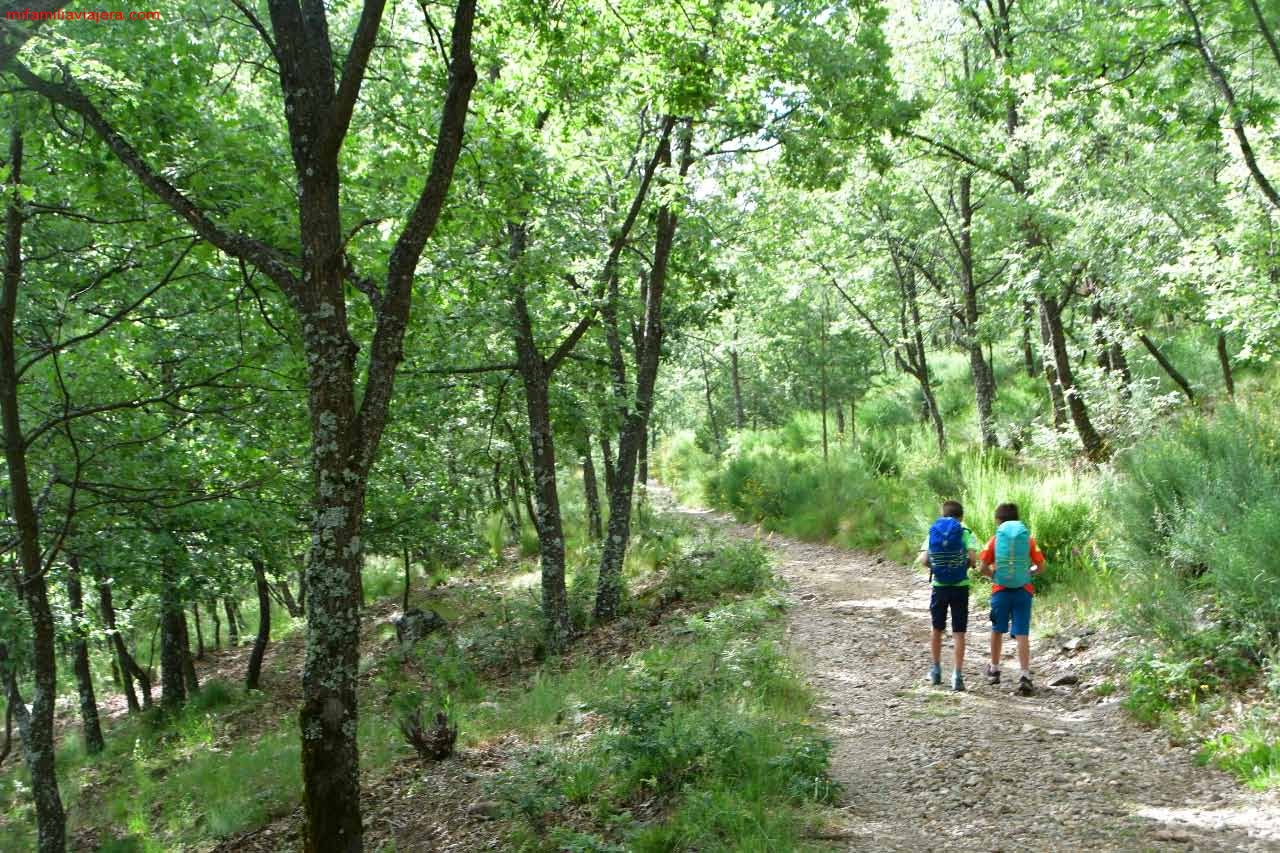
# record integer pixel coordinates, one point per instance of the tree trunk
(217, 623)
(1121, 365)
(636, 420)
(984, 382)
(823, 389)
(1028, 354)
(8, 732)
(1167, 366)
(286, 596)
(739, 416)
(921, 360)
(264, 625)
(595, 528)
(195, 617)
(1094, 447)
(513, 500)
(233, 622)
(93, 742)
(711, 409)
(188, 660)
(536, 378)
(610, 469)
(1102, 346)
(839, 410)
(37, 725)
(173, 689)
(302, 588)
(1058, 400)
(642, 465)
(408, 579)
(129, 668)
(1224, 359)
(509, 506)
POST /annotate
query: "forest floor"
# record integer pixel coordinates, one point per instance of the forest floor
(924, 768)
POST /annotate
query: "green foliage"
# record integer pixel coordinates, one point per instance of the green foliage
(1251, 754)
(1196, 523)
(715, 568)
(715, 728)
(883, 493)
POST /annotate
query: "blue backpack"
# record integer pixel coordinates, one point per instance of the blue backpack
(948, 559)
(1013, 555)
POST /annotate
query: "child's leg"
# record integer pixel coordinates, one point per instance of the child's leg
(938, 616)
(1021, 613)
(999, 624)
(960, 623)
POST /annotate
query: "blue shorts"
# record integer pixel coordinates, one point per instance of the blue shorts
(1011, 604)
(950, 598)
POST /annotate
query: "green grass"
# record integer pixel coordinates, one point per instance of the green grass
(714, 726)
(1252, 754)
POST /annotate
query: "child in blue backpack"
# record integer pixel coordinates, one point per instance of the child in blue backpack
(949, 552)
(1011, 559)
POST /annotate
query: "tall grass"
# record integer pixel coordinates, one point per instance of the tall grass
(882, 490)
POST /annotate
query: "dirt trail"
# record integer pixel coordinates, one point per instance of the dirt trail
(928, 769)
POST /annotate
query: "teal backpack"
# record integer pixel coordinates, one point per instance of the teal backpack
(1013, 555)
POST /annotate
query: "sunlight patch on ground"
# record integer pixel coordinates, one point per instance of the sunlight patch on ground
(1257, 822)
(525, 580)
(890, 605)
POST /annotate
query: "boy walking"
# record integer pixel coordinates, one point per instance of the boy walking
(1011, 559)
(949, 552)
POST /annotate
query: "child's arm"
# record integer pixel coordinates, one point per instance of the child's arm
(987, 559)
(1037, 559)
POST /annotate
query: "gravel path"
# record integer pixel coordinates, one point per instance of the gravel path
(928, 769)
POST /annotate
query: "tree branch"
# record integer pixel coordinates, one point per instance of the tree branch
(1016, 182)
(386, 351)
(353, 73)
(15, 33)
(111, 319)
(271, 261)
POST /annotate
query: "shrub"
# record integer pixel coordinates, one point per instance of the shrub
(1196, 520)
(716, 568)
(714, 730)
(1252, 754)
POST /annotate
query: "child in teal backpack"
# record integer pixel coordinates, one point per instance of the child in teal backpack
(1011, 559)
(949, 552)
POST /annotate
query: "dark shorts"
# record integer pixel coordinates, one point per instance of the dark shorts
(955, 599)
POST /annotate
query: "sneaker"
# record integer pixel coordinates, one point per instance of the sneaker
(935, 674)
(993, 674)
(957, 682)
(1025, 687)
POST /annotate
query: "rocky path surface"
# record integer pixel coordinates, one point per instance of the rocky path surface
(927, 769)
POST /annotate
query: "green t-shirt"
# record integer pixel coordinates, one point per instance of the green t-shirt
(970, 544)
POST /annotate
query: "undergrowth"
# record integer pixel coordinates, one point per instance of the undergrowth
(1174, 542)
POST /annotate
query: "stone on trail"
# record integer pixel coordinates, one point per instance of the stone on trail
(1065, 680)
(1075, 644)
(414, 624)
